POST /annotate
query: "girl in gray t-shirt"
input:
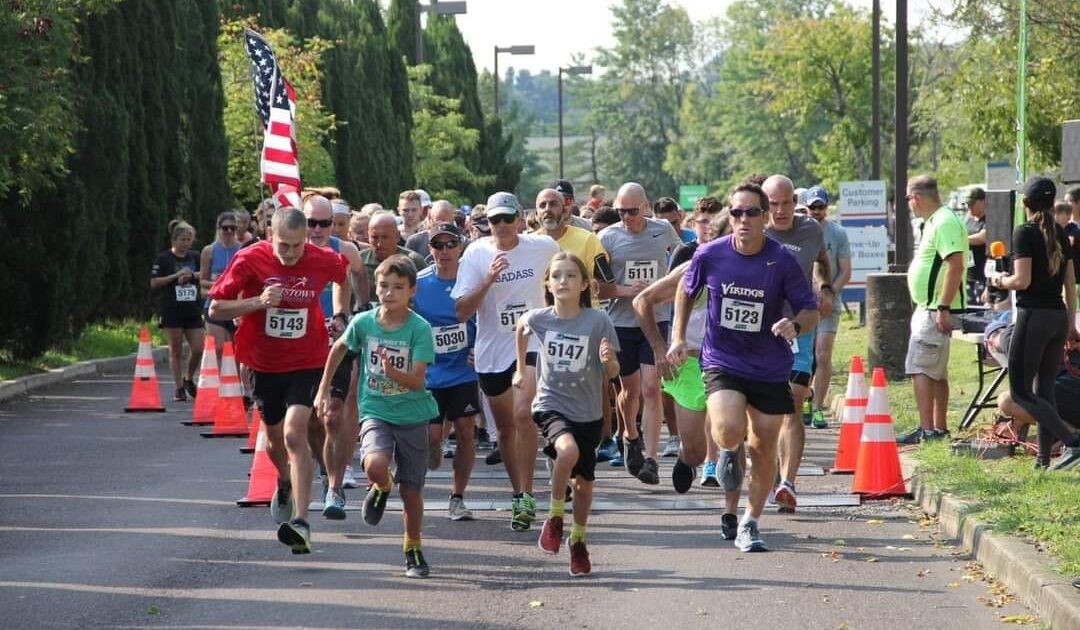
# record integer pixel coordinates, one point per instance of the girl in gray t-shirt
(578, 349)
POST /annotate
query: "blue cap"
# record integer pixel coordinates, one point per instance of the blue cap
(815, 194)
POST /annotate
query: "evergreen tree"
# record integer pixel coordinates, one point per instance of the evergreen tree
(401, 23)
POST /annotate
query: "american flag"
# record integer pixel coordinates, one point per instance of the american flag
(275, 102)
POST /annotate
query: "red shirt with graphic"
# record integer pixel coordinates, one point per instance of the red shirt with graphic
(291, 336)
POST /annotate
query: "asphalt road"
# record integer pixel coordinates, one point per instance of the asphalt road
(113, 520)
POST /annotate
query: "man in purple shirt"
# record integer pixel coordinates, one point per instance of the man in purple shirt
(746, 356)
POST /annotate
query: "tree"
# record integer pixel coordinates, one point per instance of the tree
(401, 24)
(698, 155)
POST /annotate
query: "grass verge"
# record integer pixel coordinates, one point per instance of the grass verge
(97, 341)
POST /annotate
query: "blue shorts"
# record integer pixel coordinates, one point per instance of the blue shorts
(803, 367)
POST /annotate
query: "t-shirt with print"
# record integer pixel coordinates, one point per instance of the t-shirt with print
(381, 397)
(1045, 289)
(291, 336)
(570, 379)
(518, 289)
(943, 234)
(746, 297)
(454, 340)
(176, 299)
(638, 257)
(838, 246)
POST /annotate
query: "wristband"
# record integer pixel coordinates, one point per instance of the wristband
(943, 307)
(798, 328)
(342, 316)
(826, 286)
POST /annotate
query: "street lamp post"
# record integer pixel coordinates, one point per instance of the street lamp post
(571, 71)
(437, 8)
(513, 50)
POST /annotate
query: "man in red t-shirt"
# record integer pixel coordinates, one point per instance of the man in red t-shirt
(274, 287)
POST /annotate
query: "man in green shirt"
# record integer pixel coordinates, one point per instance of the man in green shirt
(935, 280)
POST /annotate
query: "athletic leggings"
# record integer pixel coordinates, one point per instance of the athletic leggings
(1035, 355)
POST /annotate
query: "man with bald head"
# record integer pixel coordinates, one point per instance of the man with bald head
(383, 236)
(639, 248)
(803, 237)
(442, 211)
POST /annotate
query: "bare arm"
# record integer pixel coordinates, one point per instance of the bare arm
(231, 309)
(822, 268)
(660, 292)
(467, 305)
(413, 381)
(521, 347)
(977, 239)
(844, 277)
(954, 276)
(205, 261)
(358, 278)
(1019, 279)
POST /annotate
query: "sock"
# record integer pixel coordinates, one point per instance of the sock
(577, 533)
(457, 496)
(284, 484)
(411, 543)
(558, 508)
(747, 519)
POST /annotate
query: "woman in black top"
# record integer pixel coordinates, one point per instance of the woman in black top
(1041, 268)
(175, 277)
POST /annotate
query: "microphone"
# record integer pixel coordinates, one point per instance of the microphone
(1000, 257)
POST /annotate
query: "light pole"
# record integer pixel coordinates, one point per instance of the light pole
(571, 71)
(513, 50)
(437, 8)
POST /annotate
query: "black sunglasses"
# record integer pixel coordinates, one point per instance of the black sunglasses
(818, 206)
(323, 223)
(628, 212)
(738, 213)
(227, 228)
(441, 245)
(502, 218)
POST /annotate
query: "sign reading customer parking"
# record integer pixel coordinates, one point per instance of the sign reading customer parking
(863, 211)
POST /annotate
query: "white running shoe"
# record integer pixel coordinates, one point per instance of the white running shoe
(348, 480)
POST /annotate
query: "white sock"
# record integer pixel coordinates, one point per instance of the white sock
(747, 519)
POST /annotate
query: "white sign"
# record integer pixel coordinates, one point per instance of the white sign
(869, 253)
(862, 202)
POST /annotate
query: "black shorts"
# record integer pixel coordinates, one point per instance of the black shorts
(187, 321)
(275, 392)
(339, 385)
(227, 324)
(800, 378)
(768, 398)
(586, 435)
(456, 402)
(634, 348)
(495, 383)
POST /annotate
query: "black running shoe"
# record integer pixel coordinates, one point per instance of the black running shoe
(494, 457)
(374, 505)
(415, 565)
(635, 457)
(729, 526)
(189, 387)
(650, 472)
(296, 534)
(682, 476)
(915, 437)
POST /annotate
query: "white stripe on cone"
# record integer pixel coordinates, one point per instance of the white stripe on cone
(230, 390)
(878, 432)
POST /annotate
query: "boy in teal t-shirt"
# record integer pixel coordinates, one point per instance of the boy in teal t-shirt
(395, 346)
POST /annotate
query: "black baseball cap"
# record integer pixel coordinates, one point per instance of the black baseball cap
(564, 188)
(976, 194)
(1040, 192)
(450, 229)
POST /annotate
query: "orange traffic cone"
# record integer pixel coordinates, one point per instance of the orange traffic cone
(262, 480)
(877, 470)
(145, 392)
(851, 422)
(207, 394)
(253, 434)
(230, 418)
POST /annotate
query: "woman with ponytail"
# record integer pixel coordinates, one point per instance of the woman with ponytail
(1044, 323)
(175, 278)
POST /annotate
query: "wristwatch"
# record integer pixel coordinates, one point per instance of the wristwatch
(944, 307)
(798, 328)
(826, 286)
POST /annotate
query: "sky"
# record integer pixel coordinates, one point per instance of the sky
(560, 28)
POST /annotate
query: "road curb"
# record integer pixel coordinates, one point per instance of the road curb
(27, 384)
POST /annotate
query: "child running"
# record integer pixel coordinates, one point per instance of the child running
(395, 345)
(577, 359)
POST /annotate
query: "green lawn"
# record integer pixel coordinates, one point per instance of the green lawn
(97, 341)
(1009, 494)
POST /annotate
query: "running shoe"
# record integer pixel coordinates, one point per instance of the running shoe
(189, 387)
(281, 504)
(434, 456)
(650, 472)
(579, 560)
(608, 451)
(334, 506)
(671, 449)
(374, 505)
(708, 475)
(936, 434)
(915, 437)
(179, 395)
(415, 565)
(729, 526)
(748, 539)
(248, 402)
(807, 412)
(528, 503)
(819, 421)
(494, 457)
(682, 476)
(551, 535)
(457, 510)
(348, 479)
(732, 468)
(448, 449)
(784, 495)
(1070, 459)
(483, 440)
(635, 457)
(519, 520)
(296, 534)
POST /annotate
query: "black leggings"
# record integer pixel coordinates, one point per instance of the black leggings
(1035, 355)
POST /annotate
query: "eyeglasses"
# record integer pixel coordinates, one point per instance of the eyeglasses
(502, 218)
(441, 245)
(910, 196)
(738, 213)
(323, 223)
(227, 228)
(628, 212)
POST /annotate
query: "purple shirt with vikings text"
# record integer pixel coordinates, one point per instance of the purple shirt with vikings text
(746, 297)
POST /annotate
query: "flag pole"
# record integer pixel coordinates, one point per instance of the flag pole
(1021, 110)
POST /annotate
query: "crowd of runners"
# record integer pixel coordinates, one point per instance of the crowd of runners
(572, 333)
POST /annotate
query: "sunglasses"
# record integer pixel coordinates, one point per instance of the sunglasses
(441, 245)
(818, 206)
(502, 218)
(738, 213)
(628, 212)
(227, 228)
(323, 223)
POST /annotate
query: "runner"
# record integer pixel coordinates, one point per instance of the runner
(342, 217)
(450, 378)
(212, 262)
(283, 338)
(565, 188)
(639, 248)
(745, 354)
(442, 211)
(396, 345)
(174, 277)
(412, 213)
(803, 237)
(384, 236)
(667, 209)
(578, 359)
(499, 280)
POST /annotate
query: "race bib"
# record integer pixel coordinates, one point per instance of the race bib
(286, 323)
(741, 315)
(450, 339)
(186, 292)
(794, 343)
(646, 271)
(566, 353)
(395, 356)
(605, 305)
(509, 314)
